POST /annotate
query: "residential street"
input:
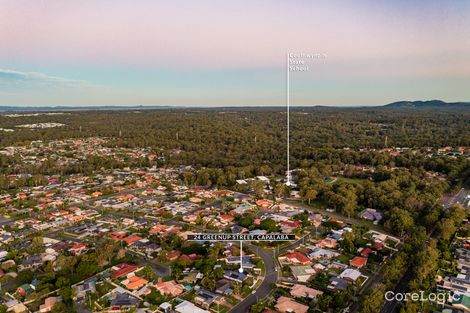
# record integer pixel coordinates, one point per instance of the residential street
(270, 278)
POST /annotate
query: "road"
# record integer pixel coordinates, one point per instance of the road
(267, 255)
(159, 269)
(349, 220)
(6, 221)
(270, 263)
(402, 286)
(269, 258)
(461, 197)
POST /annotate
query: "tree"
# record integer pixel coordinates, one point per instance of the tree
(106, 254)
(264, 170)
(393, 270)
(246, 221)
(66, 294)
(373, 300)
(66, 263)
(324, 302)
(425, 266)
(237, 287)
(343, 198)
(148, 273)
(269, 225)
(208, 282)
(36, 245)
(321, 281)
(87, 266)
(218, 273)
(282, 190)
(258, 307)
(59, 307)
(410, 307)
(400, 221)
(457, 213)
(155, 297)
(25, 276)
(446, 228)
(340, 299)
(310, 194)
(258, 187)
(62, 282)
(347, 243)
(348, 201)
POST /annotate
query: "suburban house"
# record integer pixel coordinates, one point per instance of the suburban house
(134, 282)
(235, 276)
(295, 258)
(48, 304)
(122, 269)
(287, 305)
(350, 274)
(171, 288)
(87, 288)
(302, 273)
(371, 215)
(189, 307)
(205, 298)
(78, 249)
(358, 261)
(301, 291)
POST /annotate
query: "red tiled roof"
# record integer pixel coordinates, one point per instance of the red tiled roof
(263, 202)
(358, 261)
(78, 246)
(131, 239)
(292, 224)
(124, 269)
(301, 258)
(378, 245)
(173, 254)
(193, 256)
(226, 217)
(136, 282)
(365, 252)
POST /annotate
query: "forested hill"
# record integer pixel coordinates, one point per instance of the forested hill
(11, 109)
(431, 104)
(223, 137)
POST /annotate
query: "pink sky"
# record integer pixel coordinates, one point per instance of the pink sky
(86, 39)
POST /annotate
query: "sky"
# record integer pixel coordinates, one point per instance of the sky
(232, 53)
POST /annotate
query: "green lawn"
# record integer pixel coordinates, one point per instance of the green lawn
(360, 280)
(343, 259)
(219, 308)
(317, 204)
(350, 180)
(231, 300)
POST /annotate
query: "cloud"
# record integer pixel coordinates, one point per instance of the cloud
(12, 76)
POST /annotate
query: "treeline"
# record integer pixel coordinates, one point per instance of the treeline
(417, 262)
(404, 195)
(220, 138)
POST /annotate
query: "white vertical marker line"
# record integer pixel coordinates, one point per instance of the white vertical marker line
(288, 118)
(241, 257)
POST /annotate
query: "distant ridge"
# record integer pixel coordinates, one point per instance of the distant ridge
(81, 108)
(430, 104)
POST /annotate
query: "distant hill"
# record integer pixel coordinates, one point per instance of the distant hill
(81, 108)
(431, 104)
